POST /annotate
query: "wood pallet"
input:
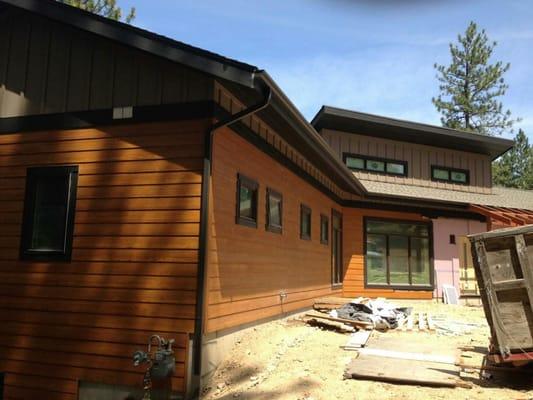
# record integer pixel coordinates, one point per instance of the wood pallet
(417, 322)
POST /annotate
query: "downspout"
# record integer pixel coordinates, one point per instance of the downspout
(204, 225)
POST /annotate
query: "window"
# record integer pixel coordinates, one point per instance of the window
(324, 229)
(49, 208)
(452, 239)
(305, 222)
(445, 174)
(246, 201)
(274, 212)
(373, 164)
(398, 254)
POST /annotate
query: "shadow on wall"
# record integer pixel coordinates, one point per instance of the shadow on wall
(134, 261)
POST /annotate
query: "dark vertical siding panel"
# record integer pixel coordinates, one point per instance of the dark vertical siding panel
(58, 66)
(13, 100)
(149, 81)
(5, 35)
(173, 85)
(37, 66)
(125, 78)
(102, 76)
(79, 86)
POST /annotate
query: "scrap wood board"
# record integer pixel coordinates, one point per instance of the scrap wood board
(426, 373)
(357, 340)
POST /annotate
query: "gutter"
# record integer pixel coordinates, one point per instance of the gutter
(311, 136)
(204, 224)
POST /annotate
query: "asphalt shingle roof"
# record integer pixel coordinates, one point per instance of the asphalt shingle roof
(500, 197)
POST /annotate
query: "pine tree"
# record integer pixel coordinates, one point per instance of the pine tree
(106, 8)
(470, 87)
(515, 168)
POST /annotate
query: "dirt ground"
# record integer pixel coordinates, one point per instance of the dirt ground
(288, 359)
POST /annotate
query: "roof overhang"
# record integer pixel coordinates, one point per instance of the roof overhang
(172, 50)
(406, 131)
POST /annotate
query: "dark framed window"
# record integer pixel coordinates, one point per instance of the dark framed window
(274, 211)
(385, 166)
(247, 190)
(305, 222)
(398, 254)
(452, 175)
(49, 208)
(324, 229)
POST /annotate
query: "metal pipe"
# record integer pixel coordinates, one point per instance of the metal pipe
(204, 222)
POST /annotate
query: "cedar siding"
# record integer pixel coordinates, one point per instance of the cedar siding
(134, 259)
(250, 267)
(354, 257)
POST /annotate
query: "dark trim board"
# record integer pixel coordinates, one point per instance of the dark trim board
(88, 119)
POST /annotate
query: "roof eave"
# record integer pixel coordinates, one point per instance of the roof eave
(498, 145)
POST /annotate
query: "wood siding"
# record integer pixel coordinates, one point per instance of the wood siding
(250, 267)
(51, 68)
(134, 261)
(419, 158)
(354, 258)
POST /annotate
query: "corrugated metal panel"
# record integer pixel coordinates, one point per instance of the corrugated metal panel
(49, 68)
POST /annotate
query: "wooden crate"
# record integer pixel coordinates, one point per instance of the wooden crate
(503, 260)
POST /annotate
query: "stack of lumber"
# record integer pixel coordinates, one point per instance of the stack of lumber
(317, 318)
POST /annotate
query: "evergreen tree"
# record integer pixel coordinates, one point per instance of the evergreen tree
(470, 87)
(106, 8)
(515, 168)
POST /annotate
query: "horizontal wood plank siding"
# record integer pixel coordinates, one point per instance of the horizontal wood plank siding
(354, 258)
(134, 261)
(49, 68)
(250, 267)
(419, 158)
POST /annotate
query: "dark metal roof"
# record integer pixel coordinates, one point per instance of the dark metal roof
(173, 50)
(407, 131)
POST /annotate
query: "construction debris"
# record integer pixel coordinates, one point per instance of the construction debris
(357, 340)
(418, 322)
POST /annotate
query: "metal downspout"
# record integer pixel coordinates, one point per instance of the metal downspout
(204, 228)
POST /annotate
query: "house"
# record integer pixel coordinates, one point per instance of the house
(148, 186)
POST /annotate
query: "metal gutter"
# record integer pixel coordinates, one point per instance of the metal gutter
(204, 222)
(310, 135)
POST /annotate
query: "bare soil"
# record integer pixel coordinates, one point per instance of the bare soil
(288, 359)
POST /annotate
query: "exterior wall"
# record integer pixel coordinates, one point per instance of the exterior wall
(134, 260)
(354, 258)
(48, 68)
(420, 158)
(250, 267)
(447, 266)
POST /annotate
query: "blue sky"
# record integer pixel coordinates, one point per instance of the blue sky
(373, 56)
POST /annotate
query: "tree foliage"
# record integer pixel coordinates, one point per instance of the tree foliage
(470, 87)
(106, 8)
(515, 168)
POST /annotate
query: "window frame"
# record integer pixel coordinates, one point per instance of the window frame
(253, 185)
(450, 171)
(306, 210)
(324, 218)
(340, 255)
(409, 286)
(269, 226)
(32, 176)
(386, 161)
